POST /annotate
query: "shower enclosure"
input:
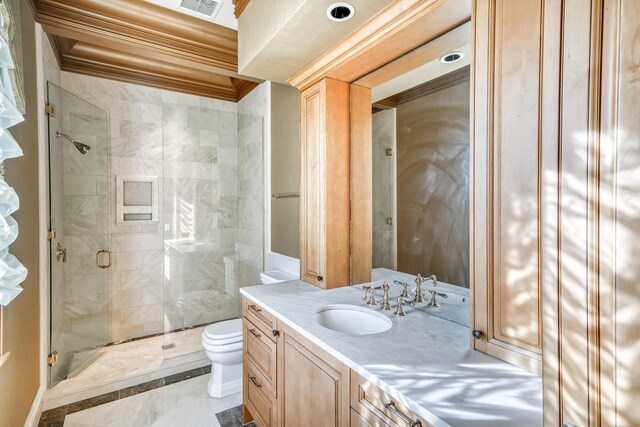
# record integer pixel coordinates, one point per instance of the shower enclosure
(79, 219)
(120, 275)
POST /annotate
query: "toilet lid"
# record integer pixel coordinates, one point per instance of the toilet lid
(224, 330)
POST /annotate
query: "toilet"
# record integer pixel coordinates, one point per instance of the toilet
(222, 343)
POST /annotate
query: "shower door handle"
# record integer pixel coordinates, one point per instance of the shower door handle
(103, 251)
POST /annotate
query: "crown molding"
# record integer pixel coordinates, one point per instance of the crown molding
(139, 42)
(243, 87)
(401, 27)
(141, 26)
(102, 62)
(240, 6)
(443, 82)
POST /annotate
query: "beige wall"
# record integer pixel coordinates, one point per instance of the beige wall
(285, 169)
(433, 185)
(19, 377)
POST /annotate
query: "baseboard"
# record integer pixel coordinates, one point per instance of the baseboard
(36, 409)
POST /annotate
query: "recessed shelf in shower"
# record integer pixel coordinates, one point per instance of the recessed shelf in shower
(136, 199)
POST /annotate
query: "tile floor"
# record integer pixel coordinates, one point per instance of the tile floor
(185, 403)
(123, 365)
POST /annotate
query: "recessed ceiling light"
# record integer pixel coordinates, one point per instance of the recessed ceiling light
(340, 12)
(452, 57)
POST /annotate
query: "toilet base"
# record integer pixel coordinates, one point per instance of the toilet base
(225, 380)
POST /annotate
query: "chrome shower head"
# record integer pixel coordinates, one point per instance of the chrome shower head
(82, 148)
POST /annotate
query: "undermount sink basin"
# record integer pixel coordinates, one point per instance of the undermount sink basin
(351, 319)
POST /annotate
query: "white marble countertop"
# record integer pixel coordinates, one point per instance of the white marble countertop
(423, 361)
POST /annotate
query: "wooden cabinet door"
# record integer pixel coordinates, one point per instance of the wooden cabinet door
(314, 387)
(324, 192)
(312, 218)
(514, 165)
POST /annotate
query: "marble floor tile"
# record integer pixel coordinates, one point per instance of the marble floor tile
(131, 363)
(185, 403)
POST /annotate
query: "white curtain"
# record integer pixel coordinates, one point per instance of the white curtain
(12, 272)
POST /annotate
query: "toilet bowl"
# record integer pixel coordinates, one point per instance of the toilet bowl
(222, 342)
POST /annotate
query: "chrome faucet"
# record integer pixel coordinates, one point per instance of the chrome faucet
(419, 294)
(419, 281)
(385, 299)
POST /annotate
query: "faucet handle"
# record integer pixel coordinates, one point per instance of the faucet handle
(372, 297)
(405, 291)
(434, 302)
(399, 311)
(365, 292)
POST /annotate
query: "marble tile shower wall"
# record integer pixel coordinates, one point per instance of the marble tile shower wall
(84, 228)
(157, 283)
(200, 208)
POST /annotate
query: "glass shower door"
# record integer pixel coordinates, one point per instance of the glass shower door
(384, 189)
(79, 215)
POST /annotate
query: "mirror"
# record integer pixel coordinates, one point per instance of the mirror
(421, 169)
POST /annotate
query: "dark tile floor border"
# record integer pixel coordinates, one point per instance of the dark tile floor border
(159, 334)
(55, 417)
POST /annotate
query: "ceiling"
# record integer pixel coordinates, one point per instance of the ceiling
(140, 42)
(422, 74)
(280, 37)
(225, 16)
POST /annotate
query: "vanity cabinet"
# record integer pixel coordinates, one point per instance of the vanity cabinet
(324, 186)
(259, 365)
(289, 381)
(371, 406)
(315, 385)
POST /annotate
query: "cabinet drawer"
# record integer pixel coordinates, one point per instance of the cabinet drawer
(261, 351)
(368, 399)
(258, 315)
(367, 420)
(257, 397)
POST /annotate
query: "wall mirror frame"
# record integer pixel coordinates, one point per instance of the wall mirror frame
(368, 59)
(401, 28)
(401, 38)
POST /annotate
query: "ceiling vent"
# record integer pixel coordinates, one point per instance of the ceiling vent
(209, 8)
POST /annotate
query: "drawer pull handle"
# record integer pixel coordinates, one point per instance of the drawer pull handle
(255, 383)
(391, 406)
(254, 333)
(275, 332)
(255, 308)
